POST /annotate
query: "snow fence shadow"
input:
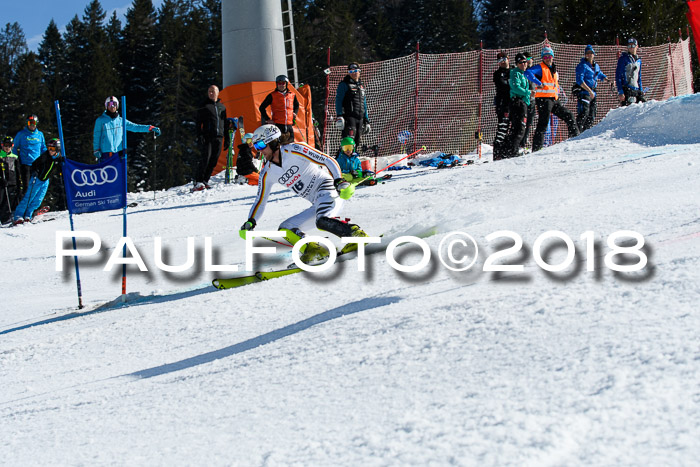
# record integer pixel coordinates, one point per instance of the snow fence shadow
(272, 336)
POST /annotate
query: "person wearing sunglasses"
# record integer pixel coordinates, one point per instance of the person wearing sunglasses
(10, 189)
(283, 105)
(39, 182)
(29, 144)
(108, 133)
(351, 106)
(546, 79)
(502, 103)
(628, 75)
(311, 175)
(519, 103)
(246, 170)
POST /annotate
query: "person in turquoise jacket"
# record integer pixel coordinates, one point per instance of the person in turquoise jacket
(29, 144)
(348, 159)
(108, 135)
(519, 102)
(39, 182)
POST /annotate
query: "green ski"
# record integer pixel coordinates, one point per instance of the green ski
(257, 277)
(370, 249)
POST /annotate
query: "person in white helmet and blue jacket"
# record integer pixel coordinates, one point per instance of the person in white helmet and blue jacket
(108, 134)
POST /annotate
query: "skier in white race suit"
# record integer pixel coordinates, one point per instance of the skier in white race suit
(313, 176)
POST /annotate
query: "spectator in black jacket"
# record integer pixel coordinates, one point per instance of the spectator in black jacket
(211, 132)
(502, 103)
(246, 170)
(351, 106)
(10, 181)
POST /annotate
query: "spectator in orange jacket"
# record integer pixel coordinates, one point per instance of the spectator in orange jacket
(284, 106)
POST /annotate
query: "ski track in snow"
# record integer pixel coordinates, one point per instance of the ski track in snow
(378, 367)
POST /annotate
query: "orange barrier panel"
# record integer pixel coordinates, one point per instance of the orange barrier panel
(244, 100)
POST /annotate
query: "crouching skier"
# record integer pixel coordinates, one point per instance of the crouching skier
(310, 174)
(39, 182)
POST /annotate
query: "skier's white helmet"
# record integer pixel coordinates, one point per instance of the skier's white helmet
(264, 135)
(112, 100)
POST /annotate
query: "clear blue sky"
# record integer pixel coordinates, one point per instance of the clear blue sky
(34, 16)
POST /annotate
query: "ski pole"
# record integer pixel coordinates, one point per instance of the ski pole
(7, 194)
(394, 163)
(155, 165)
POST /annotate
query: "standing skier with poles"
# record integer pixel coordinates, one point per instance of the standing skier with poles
(39, 182)
(313, 176)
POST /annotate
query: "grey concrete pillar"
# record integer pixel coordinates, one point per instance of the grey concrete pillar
(252, 41)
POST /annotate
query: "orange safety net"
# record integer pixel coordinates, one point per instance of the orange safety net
(443, 101)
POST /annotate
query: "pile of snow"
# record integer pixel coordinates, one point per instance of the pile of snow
(379, 367)
(656, 123)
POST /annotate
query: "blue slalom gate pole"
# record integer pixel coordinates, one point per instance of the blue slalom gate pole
(70, 215)
(125, 192)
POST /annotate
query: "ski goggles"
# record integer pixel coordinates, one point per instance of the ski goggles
(32, 121)
(259, 145)
(353, 70)
(347, 147)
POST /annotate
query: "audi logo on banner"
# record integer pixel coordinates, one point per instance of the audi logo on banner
(93, 177)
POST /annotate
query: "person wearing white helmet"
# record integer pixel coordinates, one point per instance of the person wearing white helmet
(246, 170)
(310, 174)
(108, 134)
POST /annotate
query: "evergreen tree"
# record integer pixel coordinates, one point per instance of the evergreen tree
(652, 22)
(581, 22)
(177, 151)
(76, 126)
(12, 46)
(51, 55)
(139, 60)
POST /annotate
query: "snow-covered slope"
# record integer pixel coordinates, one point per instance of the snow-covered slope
(379, 367)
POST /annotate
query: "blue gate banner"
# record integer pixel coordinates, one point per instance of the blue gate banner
(95, 187)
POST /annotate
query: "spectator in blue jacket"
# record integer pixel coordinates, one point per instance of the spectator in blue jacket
(587, 76)
(38, 183)
(108, 135)
(628, 75)
(29, 144)
(348, 159)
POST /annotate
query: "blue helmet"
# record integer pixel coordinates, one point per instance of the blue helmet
(547, 51)
(632, 42)
(589, 48)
